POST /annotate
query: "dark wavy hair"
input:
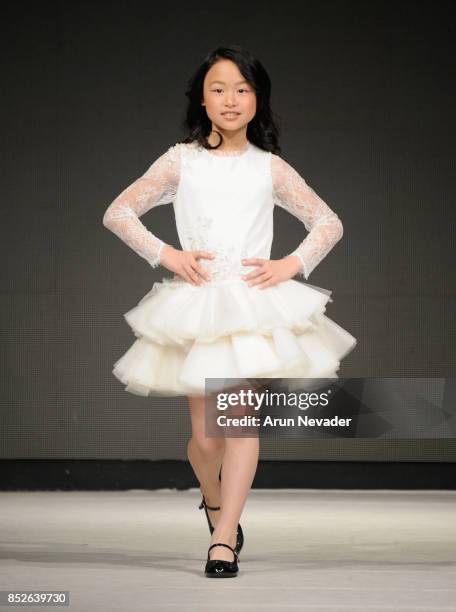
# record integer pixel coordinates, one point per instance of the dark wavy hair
(262, 130)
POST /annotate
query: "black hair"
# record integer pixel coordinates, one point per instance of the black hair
(262, 130)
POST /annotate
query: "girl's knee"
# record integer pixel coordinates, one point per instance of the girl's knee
(209, 447)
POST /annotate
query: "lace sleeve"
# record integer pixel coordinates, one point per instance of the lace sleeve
(157, 186)
(291, 192)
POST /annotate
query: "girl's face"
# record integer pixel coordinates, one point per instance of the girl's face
(226, 91)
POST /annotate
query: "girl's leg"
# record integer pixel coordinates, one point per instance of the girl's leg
(239, 466)
(205, 456)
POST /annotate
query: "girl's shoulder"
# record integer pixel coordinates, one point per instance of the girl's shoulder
(177, 150)
(186, 146)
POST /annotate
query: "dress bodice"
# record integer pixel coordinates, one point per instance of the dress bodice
(224, 205)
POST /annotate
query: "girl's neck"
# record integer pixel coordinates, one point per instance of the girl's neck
(239, 142)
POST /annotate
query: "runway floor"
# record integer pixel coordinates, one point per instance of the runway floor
(309, 549)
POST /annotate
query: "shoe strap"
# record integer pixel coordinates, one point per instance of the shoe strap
(236, 558)
(203, 504)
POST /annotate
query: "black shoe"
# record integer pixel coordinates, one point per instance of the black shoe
(239, 534)
(218, 568)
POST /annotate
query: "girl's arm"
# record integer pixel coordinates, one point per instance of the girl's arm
(157, 186)
(291, 192)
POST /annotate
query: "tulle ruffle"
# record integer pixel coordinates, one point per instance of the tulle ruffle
(229, 330)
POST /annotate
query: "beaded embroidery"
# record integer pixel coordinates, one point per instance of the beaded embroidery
(227, 261)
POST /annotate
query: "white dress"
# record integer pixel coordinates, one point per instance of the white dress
(223, 203)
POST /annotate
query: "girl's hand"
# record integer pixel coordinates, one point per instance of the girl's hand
(271, 271)
(184, 264)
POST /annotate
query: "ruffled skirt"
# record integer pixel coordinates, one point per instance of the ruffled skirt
(186, 333)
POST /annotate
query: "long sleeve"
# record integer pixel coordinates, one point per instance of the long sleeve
(157, 186)
(291, 192)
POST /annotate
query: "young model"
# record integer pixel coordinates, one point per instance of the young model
(229, 311)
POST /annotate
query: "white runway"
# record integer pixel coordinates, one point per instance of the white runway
(307, 549)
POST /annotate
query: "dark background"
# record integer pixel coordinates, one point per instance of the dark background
(93, 93)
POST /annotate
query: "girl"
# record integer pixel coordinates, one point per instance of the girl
(229, 311)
